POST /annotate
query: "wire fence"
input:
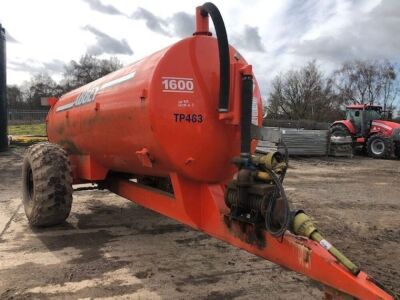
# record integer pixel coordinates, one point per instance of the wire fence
(18, 117)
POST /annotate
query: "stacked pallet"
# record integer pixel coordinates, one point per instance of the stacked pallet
(299, 142)
(341, 146)
(306, 142)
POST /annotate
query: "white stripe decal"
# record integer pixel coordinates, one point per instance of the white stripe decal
(381, 125)
(90, 93)
(65, 106)
(117, 81)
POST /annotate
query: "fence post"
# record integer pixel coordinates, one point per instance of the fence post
(3, 92)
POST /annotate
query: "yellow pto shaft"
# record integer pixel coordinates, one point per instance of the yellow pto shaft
(303, 225)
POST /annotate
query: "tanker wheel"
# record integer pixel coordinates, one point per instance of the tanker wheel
(379, 146)
(47, 184)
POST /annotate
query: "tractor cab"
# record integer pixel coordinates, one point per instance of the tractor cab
(361, 117)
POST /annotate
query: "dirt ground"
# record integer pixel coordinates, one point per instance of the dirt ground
(112, 248)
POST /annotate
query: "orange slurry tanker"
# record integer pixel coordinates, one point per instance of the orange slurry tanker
(176, 132)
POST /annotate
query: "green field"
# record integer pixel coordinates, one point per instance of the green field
(33, 129)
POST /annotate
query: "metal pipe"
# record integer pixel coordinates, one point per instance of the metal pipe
(3, 92)
(245, 122)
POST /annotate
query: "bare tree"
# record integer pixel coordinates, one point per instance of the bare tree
(15, 97)
(88, 69)
(40, 85)
(372, 82)
(303, 94)
(389, 86)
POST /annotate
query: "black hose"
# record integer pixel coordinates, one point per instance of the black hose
(282, 176)
(284, 225)
(245, 117)
(209, 8)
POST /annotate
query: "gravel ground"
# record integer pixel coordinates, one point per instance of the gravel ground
(112, 248)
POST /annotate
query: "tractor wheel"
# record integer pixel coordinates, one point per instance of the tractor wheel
(397, 149)
(379, 146)
(339, 130)
(47, 184)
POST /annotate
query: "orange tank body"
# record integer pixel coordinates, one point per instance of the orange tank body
(155, 117)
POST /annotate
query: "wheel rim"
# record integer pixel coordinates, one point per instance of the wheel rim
(30, 184)
(377, 147)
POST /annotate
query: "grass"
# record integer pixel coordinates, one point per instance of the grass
(32, 129)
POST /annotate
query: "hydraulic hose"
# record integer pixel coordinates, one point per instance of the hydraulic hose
(284, 225)
(209, 8)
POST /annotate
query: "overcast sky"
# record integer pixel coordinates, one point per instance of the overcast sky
(273, 35)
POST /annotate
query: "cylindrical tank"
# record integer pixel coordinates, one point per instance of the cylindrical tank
(163, 108)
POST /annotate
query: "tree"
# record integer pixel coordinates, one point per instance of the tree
(88, 69)
(303, 94)
(367, 82)
(40, 85)
(389, 86)
(15, 97)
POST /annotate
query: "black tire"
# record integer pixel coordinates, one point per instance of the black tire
(47, 184)
(379, 146)
(339, 130)
(397, 149)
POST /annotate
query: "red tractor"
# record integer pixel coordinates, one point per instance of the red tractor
(380, 138)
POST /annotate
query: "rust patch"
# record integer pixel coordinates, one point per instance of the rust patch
(303, 254)
(247, 233)
(69, 146)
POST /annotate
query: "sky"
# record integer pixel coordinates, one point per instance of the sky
(274, 36)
